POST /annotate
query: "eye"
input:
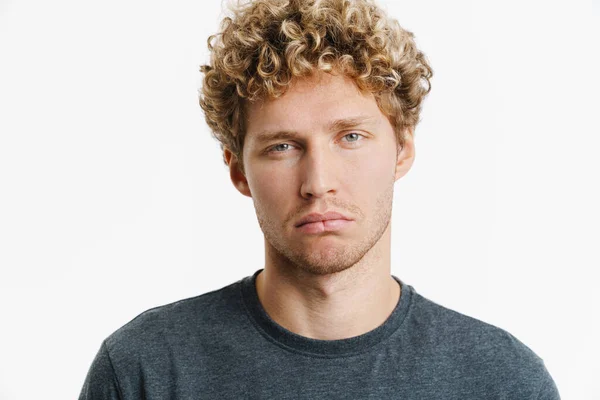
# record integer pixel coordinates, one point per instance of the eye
(356, 135)
(278, 146)
(282, 147)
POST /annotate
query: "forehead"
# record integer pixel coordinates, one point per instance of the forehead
(312, 104)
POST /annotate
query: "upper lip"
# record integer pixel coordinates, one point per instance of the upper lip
(315, 217)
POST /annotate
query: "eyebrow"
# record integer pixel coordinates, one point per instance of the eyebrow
(335, 125)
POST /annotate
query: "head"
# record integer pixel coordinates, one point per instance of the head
(341, 85)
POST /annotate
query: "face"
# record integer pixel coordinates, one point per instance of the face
(322, 146)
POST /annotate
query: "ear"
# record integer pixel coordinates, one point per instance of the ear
(237, 177)
(406, 154)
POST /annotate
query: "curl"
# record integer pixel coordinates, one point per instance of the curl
(266, 44)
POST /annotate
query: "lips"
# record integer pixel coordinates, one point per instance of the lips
(316, 217)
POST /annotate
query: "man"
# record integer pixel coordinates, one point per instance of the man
(315, 105)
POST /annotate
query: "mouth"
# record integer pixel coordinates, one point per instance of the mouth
(329, 225)
(322, 218)
(317, 223)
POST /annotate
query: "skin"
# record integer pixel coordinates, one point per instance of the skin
(333, 285)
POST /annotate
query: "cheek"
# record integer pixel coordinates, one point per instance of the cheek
(371, 183)
(375, 187)
(270, 187)
(375, 167)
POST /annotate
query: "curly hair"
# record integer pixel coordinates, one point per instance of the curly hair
(268, 43)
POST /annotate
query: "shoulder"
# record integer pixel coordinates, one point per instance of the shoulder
(173, 323)
(446, 327)
(477, 348)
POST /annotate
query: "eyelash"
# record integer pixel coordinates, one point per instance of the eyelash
(272, 148)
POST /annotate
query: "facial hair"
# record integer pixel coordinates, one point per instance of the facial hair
(332, 258)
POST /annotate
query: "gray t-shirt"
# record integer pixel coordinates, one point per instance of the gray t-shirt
(223, 345)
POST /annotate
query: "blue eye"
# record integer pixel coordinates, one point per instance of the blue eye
(279, 146)
(353, 133)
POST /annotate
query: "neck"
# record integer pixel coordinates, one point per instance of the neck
(331, 307)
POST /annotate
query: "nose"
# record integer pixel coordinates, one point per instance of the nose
(319, 174)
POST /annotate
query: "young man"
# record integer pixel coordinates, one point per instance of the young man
(315, 104)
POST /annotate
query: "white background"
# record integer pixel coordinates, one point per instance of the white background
(114, 198)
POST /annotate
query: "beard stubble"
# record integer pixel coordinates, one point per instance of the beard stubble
(326, 259)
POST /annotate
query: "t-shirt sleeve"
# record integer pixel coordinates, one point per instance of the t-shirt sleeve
(548, 389)
(101, 382)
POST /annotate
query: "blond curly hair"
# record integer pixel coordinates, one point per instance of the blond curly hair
(268, 43)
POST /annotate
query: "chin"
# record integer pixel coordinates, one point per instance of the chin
(326, 261)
